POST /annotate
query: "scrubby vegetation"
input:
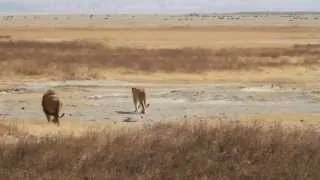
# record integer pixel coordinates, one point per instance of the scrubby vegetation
(79, 59)
(168, 151)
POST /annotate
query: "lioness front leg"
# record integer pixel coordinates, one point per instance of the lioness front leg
(48, 117)
(135, 105)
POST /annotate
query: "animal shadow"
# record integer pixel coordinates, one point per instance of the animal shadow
(129, 120)
(125, 112)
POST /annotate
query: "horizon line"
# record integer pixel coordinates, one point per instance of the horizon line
(158, 13)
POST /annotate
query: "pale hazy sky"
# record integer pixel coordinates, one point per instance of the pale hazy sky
(154, 6)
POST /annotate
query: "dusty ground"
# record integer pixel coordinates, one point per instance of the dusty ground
(111, 100)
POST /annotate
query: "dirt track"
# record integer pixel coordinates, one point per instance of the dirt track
(112, 101)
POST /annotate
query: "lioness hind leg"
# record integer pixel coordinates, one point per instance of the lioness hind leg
(56, 119)
(143, 105)
(143, 111)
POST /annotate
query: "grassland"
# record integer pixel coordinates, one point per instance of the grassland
(92, 60)
(185, 150)
(162, 53)
(212, 37)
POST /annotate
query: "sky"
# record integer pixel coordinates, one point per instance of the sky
(153, 6)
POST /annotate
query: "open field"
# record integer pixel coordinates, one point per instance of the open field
(210, 47)
(272, 58)
(176, 37)
(207, 77)
(89, 60)
(170, 31)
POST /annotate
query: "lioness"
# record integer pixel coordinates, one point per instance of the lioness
(51, 106)
(139, 97)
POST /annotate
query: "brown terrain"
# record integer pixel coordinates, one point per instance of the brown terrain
(232, 96)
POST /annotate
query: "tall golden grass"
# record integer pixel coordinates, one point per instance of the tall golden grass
(68, 59)
(168, 151)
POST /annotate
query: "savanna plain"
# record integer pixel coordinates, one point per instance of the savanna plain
(232, 96)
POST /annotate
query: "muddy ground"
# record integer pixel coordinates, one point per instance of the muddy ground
(112, 101)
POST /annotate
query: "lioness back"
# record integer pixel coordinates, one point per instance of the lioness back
(139, 99)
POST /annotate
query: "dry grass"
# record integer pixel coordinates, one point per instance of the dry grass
(40, 128)
(82, 60)
(285, 117)
(168, 151)
(285, 75)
